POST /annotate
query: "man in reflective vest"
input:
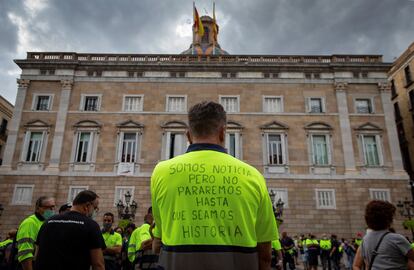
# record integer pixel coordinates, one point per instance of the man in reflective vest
(29, 228)
(140, 240)
(313, 251)
(211, 210)
(113, 242)
(288, 246)
(326, 246)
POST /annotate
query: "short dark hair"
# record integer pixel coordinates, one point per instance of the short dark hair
(109, 214)
(379, 215)
(85, 196)
(41, 200)
(206, 118)
(64, 207)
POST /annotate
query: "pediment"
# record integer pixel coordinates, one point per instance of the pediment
(87, 123)
(234, 125)
(174, 124)
(318, 126)
(275, 125)
(369, 127)
(130, 124)
(37, 123)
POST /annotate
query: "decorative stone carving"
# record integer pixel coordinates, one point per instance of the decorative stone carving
(341, 86)
(384, 87)
(23, 83)
(66, 83)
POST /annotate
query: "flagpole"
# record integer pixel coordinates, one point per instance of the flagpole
(215, 28)
(192, 46)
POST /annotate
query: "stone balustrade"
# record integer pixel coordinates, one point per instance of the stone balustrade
(246, 59)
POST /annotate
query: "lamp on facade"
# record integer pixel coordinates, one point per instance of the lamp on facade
(277, 206)
(405, 209)
(128, 210)
(1, 209)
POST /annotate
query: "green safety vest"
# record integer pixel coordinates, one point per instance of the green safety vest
(26, 237)
(325, 244)
(5, 243)
(358, 242)
(138, 236)
(112, 239)
(310, 242)
(276, 245)
(208, 197)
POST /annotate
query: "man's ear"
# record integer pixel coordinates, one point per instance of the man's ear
(189, 137)
(222, 134)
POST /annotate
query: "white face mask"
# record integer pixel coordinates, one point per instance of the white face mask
(93, 214)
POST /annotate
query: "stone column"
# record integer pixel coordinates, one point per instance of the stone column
(13, 131)
(57, 143)
(392, 135)
(346, 133)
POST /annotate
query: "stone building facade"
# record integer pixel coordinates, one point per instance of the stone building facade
(402, 94)
(320, 129)
(6, 113)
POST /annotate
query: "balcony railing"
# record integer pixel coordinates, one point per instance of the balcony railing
(245, 59)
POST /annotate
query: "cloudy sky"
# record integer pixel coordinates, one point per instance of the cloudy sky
(246, 27)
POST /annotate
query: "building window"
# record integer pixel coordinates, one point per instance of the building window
(133, 103)
(282, 194)
(120, 194)
(233, 144)
(325, 199)
(320, 149)
(230, 103)
(42, 102)
(90, 103)
(411, 97)
(363, 105)
(85, 144)
(397, 112)
(272, 104)
(315, 105)
(176, 103)
(128, 147)
(371, 151)
(407, 73)
(83, 147)
(393, 89)
(176, 144)
(276, 149)
(380, 194)
(3, 127)
(74, 190)
(33, 146)
(22, 194)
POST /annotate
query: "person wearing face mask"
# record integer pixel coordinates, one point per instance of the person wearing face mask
(72, 240)
(113, 242)
(29, 228)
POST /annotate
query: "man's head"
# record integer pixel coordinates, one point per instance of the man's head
(86, 203)
(45, 206)
(284, 234)
(130, 228)
(65, 208)
(379, 215)
(149, 219)
(324, 236)
(108, 220)
(207, 123)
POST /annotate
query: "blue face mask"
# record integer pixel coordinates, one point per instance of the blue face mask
(107, 226)
(48, 213)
